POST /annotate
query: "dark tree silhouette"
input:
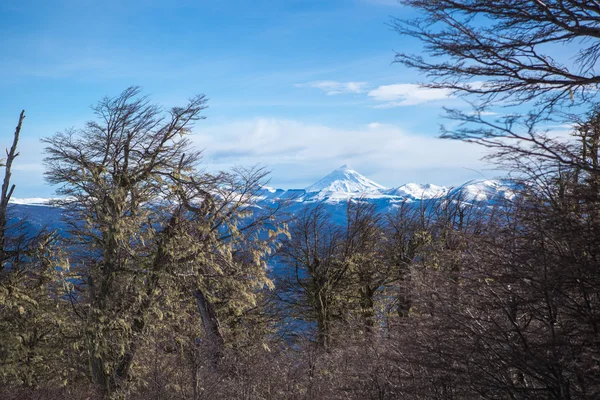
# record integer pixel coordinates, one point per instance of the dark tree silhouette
(507, 49)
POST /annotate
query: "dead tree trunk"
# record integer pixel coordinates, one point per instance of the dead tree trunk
(8, 189)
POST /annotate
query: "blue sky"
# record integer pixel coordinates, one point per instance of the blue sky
(301, 86)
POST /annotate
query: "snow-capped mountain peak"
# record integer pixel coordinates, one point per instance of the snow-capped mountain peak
(346, 180)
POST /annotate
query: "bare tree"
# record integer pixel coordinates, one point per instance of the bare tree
(110, 172)
(149, 228)
(315, 272)
(507, 49)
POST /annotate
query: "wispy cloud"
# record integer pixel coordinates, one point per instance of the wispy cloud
(334, 87)
(299, 153)
(384, 96)
(406, 94)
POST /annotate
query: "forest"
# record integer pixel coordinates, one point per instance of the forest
(162, 284)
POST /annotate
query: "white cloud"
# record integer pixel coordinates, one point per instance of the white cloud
(406, 94)
(335, 87)
(387, 96)
(300, 153)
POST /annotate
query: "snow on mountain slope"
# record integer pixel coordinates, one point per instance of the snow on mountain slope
(418, 191)
(345, 180)
(31, 201)
(485, 190)
(336, 189)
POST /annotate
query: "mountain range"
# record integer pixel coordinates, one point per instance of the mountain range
(334, 190)
(345, 183)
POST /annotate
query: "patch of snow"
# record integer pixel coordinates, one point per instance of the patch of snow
(31, 201)
(485, 190)
(268, 189)
(418, 191)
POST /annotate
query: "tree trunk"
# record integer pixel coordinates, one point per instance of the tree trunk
(138, 327)
(367, 306)
(323, 320)
(404, 301)
(103, 381)
(7, 189)
(211, 326)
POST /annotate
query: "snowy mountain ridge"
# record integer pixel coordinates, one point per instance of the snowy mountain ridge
(334, 190)
(345, 183)
(418, 191)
